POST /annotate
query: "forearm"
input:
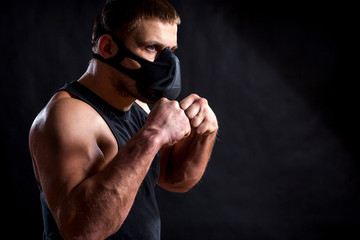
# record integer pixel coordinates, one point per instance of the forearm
(98, 206)
(186, 162)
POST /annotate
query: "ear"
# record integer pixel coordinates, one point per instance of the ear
(107, 46)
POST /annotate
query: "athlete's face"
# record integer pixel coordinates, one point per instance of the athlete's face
(152, 37)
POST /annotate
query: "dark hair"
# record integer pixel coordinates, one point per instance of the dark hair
(120, 17)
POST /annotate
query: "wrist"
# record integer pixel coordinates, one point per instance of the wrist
(155, 136)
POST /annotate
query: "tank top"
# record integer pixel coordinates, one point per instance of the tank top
(143, 220)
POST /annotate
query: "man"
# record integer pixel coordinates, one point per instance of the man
(95, 149)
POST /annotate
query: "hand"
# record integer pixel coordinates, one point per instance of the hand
(200, 115)
(169, 120)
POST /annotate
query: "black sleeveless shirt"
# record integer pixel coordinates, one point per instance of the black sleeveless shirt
(143, 221)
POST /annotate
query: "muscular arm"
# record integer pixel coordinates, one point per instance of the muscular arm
(98, 205)
(88, 195)
(183, 164)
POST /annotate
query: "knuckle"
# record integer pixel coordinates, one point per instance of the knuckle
(203, 101)
(194, 95)
(163, 100)
(215, 126)
(174, 103)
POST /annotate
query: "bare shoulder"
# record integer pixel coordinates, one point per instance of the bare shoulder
(69, 121)
(65, 115)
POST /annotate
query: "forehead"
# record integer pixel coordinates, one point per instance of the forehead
(157, 31)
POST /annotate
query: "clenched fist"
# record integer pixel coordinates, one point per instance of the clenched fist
(200, 115)
(169, 120)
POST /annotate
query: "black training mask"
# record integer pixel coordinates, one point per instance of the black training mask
(154, 80)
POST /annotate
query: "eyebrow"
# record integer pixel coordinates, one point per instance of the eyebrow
(156, 43)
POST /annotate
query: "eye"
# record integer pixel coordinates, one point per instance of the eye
(151, 48)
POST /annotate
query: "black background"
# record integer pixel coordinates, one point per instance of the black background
(281, 79)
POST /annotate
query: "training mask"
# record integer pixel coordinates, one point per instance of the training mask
(154, 80)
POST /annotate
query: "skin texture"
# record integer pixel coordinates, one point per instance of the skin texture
(88, 183)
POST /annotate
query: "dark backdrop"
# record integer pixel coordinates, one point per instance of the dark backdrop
(281, 79)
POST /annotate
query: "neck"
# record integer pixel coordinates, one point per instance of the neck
(108, 84)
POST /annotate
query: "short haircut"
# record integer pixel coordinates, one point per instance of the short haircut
(120, 17)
